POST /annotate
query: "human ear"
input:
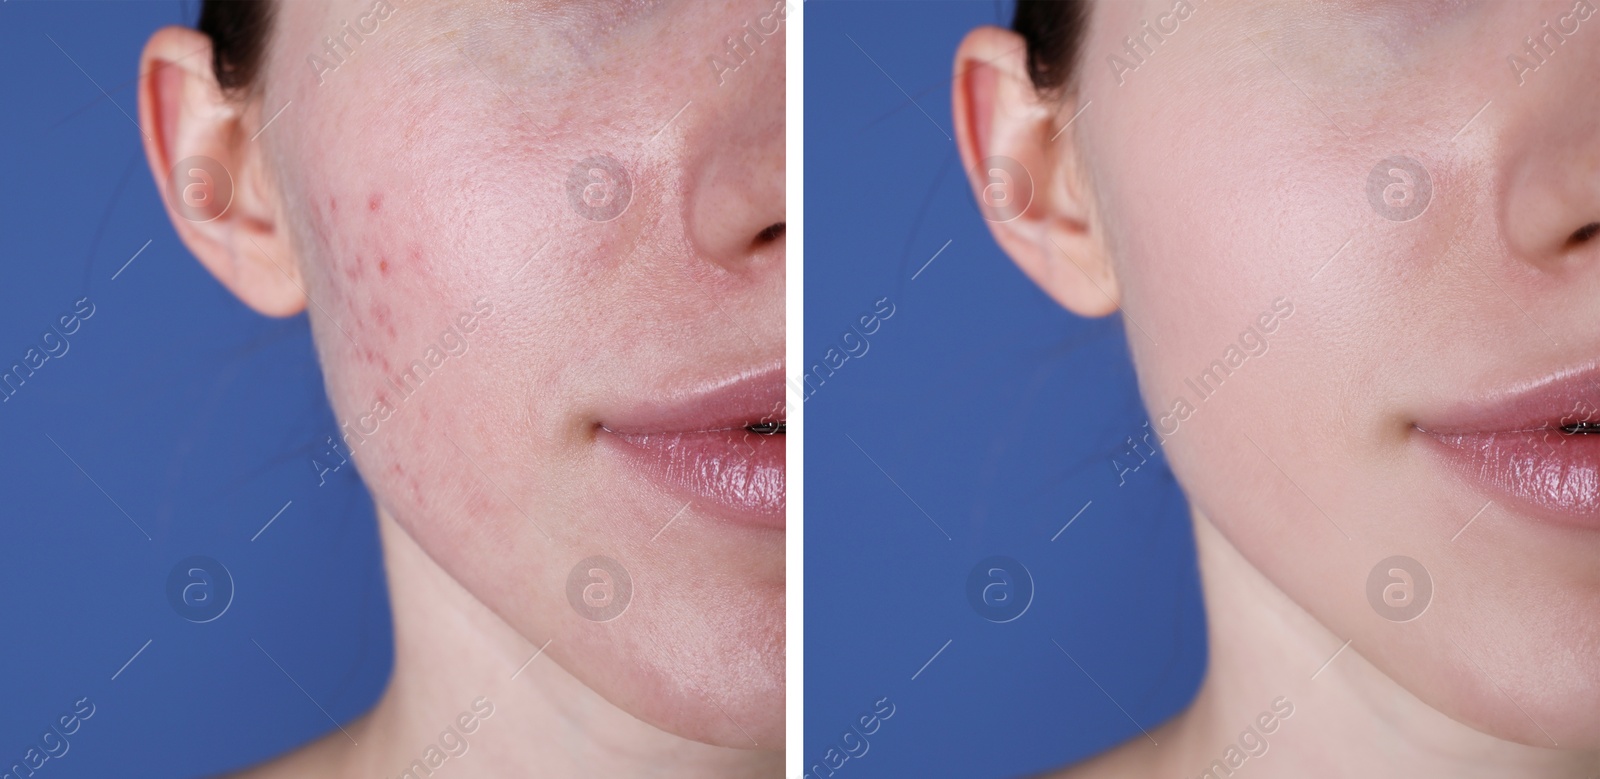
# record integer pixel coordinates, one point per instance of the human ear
(1025, 168)
(212, 174)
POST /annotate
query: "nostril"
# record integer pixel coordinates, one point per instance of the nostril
(1584, 233)
(769, 234)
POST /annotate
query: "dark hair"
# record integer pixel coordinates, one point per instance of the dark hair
(1054, 31)
(238, 30)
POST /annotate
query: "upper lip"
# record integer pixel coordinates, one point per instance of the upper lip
(753, 397)
(1551, 402)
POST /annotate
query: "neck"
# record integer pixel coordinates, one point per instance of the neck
(1350, 720)
(453, 656)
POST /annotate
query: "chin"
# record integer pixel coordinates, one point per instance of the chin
(1536, 687)
(715, 676)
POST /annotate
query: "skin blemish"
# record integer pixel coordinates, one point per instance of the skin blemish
(479, 505)
(375, 202)
(333, 204)
(383, 267)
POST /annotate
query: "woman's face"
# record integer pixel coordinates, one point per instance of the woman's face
(535, 238)
(1304, 304)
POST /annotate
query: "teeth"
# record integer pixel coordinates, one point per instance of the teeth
(776, 428)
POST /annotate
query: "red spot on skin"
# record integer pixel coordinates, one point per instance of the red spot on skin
(479, 505)
(375, 202)
(333, 204)
(392, 334)
(383, 267)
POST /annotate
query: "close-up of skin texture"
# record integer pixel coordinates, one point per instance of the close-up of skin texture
(1401, 198)
(541, 246)
(1346, 257)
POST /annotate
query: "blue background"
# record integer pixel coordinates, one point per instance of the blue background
(997, 413)
(196, 415)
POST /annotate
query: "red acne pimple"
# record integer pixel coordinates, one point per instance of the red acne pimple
(375, 202)
(383, 267)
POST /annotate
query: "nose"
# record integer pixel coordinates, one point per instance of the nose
(1551, 210)
(1553, 203)
(735, 204)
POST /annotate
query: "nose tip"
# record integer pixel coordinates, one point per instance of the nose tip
(1552, 209)
(1550, 136)
(737, 208)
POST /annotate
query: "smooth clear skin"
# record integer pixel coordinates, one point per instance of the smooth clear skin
(430, 171)
(1220, 177)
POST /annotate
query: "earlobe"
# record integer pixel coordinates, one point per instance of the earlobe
(208, 171)
(1024, 174)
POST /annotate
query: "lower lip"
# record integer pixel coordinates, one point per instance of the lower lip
(737, 471)
(1548, 473)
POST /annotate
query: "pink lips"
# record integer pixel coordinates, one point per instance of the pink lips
(719, 445)
(1525, 445)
